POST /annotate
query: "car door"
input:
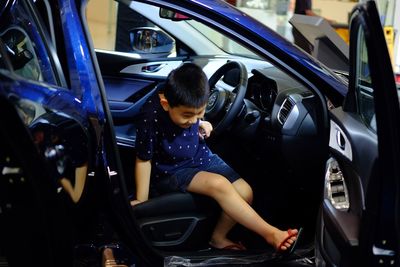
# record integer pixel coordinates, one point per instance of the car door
(358, 222)
(51, 122)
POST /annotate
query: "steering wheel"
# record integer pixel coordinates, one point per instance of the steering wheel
(224, 105)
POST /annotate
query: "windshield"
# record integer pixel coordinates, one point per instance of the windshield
(225, 43)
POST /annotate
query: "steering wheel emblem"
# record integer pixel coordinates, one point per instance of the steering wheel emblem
(212, 100)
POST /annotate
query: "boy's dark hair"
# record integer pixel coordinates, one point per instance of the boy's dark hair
(187, 85)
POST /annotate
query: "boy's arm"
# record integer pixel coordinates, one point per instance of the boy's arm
(142, 179)
(75, 191)
(205, 129)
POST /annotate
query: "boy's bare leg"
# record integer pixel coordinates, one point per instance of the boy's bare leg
(225, 223)
(220, 189)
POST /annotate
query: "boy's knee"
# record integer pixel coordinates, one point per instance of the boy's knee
(219, 185)
(249, 195)
(244, 190)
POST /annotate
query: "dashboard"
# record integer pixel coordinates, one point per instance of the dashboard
(290, 118)
(288, 106)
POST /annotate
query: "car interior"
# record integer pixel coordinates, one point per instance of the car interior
(267, 125)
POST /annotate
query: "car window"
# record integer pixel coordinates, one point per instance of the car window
(364, 87)
(103, 23)
(124, 28)
(25, 46)
(22, 54)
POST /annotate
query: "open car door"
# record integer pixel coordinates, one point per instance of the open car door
(358, 224)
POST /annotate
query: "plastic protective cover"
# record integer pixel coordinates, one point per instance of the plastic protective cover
(175, 261)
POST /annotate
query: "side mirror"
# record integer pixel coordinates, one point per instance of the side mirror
(172, 15)
(146, 40)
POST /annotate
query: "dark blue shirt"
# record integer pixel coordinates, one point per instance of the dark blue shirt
(170, 147)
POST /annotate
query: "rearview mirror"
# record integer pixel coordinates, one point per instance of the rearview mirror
(172, 15)
(146, 40)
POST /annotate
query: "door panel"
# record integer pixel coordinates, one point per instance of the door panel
(116, 63)
(124, 93)
(153, 69)
(353, 149)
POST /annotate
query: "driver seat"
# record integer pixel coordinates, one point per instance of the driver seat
(177, 220)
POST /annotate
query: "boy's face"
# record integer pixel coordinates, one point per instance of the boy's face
(183, 116)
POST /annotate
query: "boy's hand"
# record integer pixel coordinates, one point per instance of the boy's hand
(205, 129)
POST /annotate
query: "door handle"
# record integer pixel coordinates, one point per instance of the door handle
(152, 68)
(341, 141)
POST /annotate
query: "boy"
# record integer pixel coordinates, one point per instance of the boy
(171, 151)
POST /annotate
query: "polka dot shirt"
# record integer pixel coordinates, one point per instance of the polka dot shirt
(170, 147)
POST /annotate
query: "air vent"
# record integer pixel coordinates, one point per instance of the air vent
(285, 109)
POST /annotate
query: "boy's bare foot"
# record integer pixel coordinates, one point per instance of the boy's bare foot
(135, 202)
(226, 244)
(283, 240)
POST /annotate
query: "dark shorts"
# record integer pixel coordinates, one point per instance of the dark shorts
(182, 178)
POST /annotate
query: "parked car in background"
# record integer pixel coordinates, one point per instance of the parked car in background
(320, 150)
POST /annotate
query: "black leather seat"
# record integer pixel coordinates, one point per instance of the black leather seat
(178, 220)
